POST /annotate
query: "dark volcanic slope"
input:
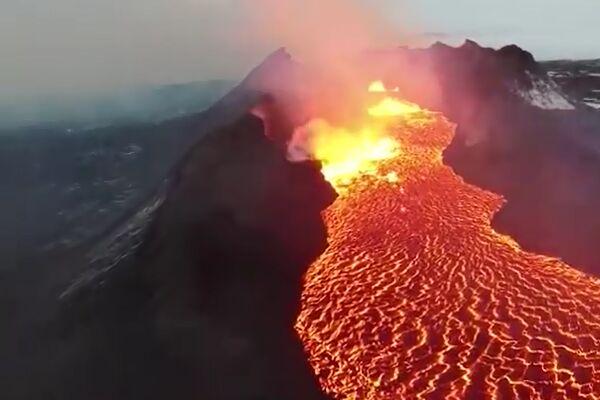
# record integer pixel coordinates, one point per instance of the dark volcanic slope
(225, 258)
(205, 307)
(191, 294)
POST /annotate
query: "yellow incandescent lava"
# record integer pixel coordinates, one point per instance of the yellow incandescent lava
(347, 153)
(417, 297)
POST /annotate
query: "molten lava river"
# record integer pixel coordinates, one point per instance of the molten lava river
(417, 297)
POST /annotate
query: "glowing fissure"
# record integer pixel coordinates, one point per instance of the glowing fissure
(418, 297)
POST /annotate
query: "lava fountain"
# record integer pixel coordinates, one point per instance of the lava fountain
(347, 153)
(417, 296)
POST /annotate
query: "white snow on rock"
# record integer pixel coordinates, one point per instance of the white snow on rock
(545, 94)
(559, 74)
(592, 103)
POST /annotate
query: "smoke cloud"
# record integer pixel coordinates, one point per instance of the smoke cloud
(329, 40)
(316, 31)
(75, 46)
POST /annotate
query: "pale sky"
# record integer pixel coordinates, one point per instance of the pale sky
(76, 46)
(548, 28)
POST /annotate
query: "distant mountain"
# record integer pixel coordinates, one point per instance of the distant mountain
(126, 106)
(580, 79)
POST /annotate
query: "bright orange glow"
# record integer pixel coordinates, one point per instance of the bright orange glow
(348, 153)
(417, 297)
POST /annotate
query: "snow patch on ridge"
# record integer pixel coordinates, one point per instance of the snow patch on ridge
(592, 103)
(545, 94)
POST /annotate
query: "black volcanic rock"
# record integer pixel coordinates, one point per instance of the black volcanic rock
(518, 59)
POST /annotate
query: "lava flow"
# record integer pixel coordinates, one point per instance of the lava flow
(418, 297)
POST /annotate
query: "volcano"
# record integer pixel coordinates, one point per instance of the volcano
(426, 233)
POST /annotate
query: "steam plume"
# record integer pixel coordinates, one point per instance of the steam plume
(316, 31)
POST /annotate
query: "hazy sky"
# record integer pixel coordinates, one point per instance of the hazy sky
(548, 28)
(72, 46)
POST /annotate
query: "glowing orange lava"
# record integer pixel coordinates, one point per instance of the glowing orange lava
(347, 153)
(390, 107)
(418, 297)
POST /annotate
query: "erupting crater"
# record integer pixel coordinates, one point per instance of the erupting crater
(418, 297)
